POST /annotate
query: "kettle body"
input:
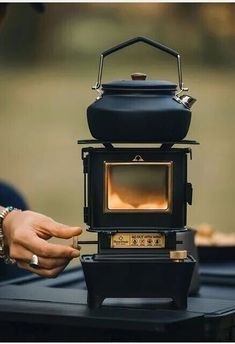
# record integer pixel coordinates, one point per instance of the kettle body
(138, 115)
(139, 110)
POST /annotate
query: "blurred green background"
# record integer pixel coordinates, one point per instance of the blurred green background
(48, 64)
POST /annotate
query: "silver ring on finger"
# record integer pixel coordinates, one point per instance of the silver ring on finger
(34, 262)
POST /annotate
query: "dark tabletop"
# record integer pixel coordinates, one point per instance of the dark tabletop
(34, 308)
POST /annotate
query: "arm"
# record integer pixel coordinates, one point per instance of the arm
(26, 233)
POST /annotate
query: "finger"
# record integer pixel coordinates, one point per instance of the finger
(51, 263)
(62, 231)
(43, 248)
(19, 253)
(49, 273)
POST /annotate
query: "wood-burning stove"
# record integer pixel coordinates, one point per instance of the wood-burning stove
(135, 198)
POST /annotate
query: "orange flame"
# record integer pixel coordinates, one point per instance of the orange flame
(115, 202)
(136, 189)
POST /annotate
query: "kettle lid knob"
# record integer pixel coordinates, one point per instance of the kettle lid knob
(138, 76)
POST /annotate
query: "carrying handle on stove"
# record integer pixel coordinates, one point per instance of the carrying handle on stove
(133, 41)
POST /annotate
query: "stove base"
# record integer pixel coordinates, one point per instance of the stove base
(138, 277)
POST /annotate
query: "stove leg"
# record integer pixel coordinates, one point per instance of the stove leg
(94, 301)
(180, 302)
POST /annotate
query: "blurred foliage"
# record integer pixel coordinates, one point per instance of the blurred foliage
(204, 32)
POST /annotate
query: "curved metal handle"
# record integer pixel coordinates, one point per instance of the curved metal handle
(133, 41)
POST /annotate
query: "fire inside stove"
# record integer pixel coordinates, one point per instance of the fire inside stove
(138, 187)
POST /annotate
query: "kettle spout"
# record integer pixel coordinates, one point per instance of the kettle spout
(188, 101)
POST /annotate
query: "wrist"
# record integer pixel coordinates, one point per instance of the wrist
(9, 218)
(4, 213)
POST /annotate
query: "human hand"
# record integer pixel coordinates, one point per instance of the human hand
(26, 233)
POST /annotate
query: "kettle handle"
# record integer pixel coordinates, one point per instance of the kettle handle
(133, 41)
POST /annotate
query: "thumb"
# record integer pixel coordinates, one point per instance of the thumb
(62, 231)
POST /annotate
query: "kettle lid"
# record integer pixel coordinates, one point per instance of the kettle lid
(140, 85)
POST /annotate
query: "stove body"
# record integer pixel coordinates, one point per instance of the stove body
(136, 200)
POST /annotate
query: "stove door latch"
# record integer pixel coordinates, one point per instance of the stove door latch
(189, 193)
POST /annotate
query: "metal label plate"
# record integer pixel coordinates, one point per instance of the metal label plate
(138, 240)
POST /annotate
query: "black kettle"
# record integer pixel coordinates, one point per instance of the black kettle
(140, 110)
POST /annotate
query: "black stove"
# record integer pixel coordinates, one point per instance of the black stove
(136, 200)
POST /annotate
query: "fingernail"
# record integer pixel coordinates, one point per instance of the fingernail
(76, 229)
(75, 254)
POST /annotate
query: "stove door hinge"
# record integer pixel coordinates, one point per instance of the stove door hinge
(190, 153)
(85, 214)
(189, 193)
(85, 164)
